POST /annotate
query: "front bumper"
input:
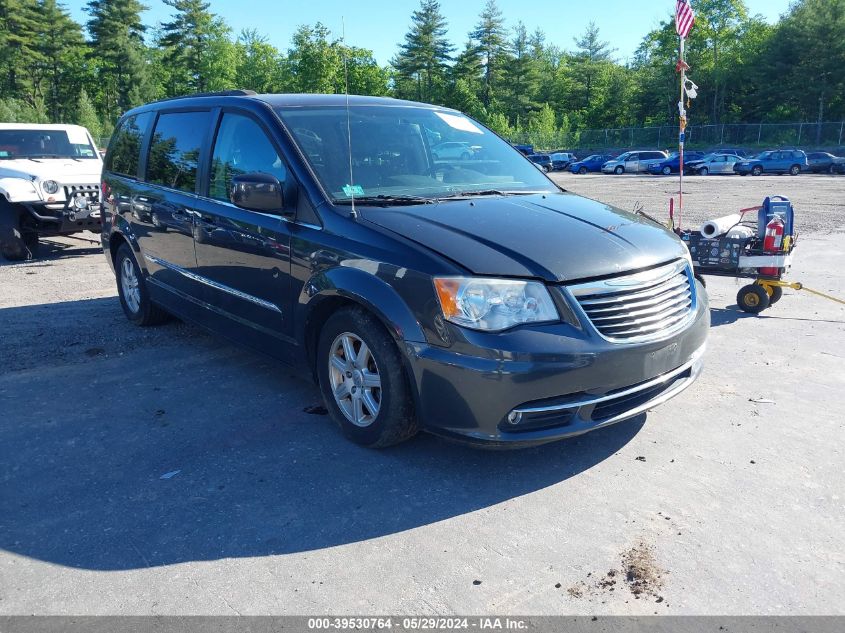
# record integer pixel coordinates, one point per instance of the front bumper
(550, 383)
(79, 211)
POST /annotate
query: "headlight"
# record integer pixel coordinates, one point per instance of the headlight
(493, 304)
(50, 186)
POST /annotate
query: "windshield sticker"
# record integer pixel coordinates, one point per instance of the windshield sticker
(459, 122)
(353, 190)
(77, 136)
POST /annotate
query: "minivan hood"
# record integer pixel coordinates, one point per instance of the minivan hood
(555, 237)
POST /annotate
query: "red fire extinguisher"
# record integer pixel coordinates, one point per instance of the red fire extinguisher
(773, 242)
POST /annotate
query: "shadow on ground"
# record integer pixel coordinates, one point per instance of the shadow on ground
(84, 447)
(51, 250)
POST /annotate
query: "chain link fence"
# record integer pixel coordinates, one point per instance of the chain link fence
(830, 135)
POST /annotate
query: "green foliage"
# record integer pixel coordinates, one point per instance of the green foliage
(514, 80)
(86, 115)
(421, 64)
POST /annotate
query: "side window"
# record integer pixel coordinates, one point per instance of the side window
(241, 147)
(175, 149)
(124, 153)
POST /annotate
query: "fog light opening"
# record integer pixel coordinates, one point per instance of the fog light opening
(514, 417)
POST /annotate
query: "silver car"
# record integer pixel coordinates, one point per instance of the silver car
(632, 162)
(713, 164)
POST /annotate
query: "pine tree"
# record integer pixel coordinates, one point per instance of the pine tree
(60, 47)
(86, 114)
(493, 45)
(117, 48)
(198, 53)
(522, 75)
(589, 63)
(423, 57)
(18, 46)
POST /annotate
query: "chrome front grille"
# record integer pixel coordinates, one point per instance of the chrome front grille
(640, 306)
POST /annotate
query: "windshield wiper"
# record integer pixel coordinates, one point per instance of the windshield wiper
(488, 192)
(387, 200)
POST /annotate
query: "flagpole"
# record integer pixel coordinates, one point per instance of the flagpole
(681, 137)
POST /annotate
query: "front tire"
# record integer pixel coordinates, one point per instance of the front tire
(757, 171)
(703, 171)
(619, 170)
(667, 171)
(582, 170)
(752, 298)
(363, 380)
(132, 290)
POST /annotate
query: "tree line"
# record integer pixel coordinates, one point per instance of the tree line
(517, 81)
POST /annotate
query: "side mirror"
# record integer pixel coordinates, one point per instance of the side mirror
(257, 192)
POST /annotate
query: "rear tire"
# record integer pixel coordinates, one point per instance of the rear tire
(776, 294)
(752, 299)
(132, 290)
(367, 392)
(794, 170)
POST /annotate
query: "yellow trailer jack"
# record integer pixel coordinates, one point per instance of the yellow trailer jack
(764, 292)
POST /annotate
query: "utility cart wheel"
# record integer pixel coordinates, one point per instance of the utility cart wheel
(752, 299)
(775, 293)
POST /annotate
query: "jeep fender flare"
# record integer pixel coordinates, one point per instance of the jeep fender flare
(18, 190)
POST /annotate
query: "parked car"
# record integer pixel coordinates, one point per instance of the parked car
(774, 162)
(713, 164)
(49, 185)
(525, 150)
(405, 287)
(562, 160)
(590, 164)
(824, 162)
(452, 150)
(543, 160)
(633, 162)
(672, 165)
(733, 151)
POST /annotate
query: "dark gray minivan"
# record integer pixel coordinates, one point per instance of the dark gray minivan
(469, 297)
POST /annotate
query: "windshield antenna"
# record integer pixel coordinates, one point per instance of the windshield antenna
(354, 213)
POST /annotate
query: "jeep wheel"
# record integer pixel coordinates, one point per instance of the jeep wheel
(794, 170)
(132, 290)
(363, 381)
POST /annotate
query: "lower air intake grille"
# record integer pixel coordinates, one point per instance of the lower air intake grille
(639, 306)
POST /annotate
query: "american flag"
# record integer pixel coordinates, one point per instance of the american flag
(684, 18)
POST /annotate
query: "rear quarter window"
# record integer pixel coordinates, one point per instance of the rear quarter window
(124, 153)
(175, 149)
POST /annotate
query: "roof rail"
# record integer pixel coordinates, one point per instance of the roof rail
(222, 93)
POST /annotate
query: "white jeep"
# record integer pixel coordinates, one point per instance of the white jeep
(49, 185)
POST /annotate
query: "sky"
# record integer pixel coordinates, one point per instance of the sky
(380, 26)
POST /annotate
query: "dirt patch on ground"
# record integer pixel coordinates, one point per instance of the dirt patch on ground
(639, 574)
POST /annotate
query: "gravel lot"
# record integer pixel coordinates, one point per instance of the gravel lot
(163, 471)
(819, 198)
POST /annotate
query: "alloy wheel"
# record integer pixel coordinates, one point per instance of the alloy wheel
(129, 285)
(355, 379)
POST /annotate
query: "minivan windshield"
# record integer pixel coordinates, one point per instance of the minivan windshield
(41, 143)
(407, 153)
